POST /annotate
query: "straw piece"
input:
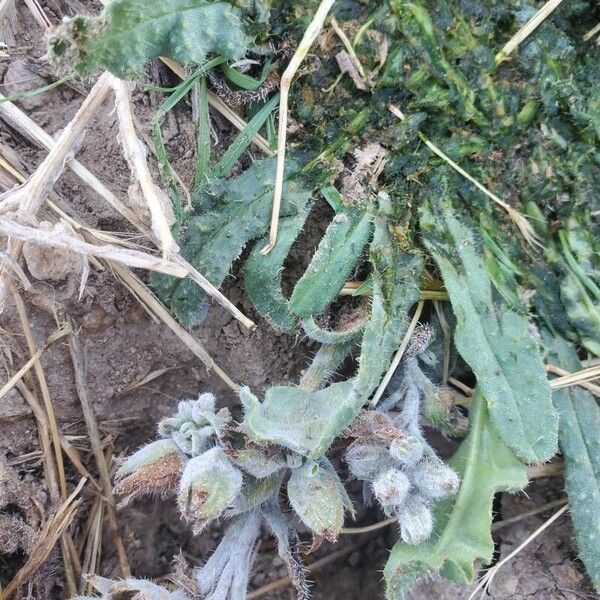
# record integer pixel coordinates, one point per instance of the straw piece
(398, 356)
(527, 29)
(135, 155)
(94, 436)
(19, 120)
(59, 238)
(45, 541)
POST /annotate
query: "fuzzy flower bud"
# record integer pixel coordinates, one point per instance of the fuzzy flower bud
(434, 479)
(416, 520)
(366, 461)
(391, 488)
(154, 469)
(407, 450)
(195, 424)
(209, 484)
(316, 494)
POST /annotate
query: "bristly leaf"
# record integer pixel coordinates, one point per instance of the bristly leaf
(303, 421)
(332, 263)
(395, 289)
(129, 33)
(493, 339)
(462, 534)
(233, 213)
(579, 425)
(262, 274)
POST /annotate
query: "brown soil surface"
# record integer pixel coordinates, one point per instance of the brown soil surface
(123, 344)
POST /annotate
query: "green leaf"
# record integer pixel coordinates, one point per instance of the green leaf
(231, 214)
(262, 274)
(493, 339)
(462, 535)
(579, 425)
(395, 281)
(128, 33)
(334, 260)
(303, 421)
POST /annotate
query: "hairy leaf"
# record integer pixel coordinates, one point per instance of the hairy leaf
(129, 33)
(332, 263)
(493, 339)
(262, 274)
(234, 212)
(395, 289)
(303, 421)
(579, 425)
(462, 532)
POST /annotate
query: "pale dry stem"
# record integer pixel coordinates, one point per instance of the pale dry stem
(135, 154)
(310, 35)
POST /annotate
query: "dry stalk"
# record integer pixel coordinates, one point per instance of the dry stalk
(310, 35)
(89, 416)
(591, 33)
(20, 121)
(53, 337)
(54, 528)
(40, 416)
(135, 155)
(55, 472)
(32, 195)
(582, 378)
(398, 356)
(59, 238)
(486, 580)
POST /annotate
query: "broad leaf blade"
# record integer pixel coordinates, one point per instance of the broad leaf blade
(129, 33)
(303, 421)
(486, 466)
(493, 339)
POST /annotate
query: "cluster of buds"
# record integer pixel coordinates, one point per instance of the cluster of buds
(401, 470)
(187, 460)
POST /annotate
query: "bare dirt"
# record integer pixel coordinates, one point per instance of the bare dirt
(123, 345)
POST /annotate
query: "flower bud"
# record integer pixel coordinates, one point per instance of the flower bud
(416, 520)
(195, 424)
(434, 479)
(315, 493)
(154, 469)
(208, 486)
(366, 461)
(391, 488)
(407, 450)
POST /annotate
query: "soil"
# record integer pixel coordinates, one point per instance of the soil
(123, 345)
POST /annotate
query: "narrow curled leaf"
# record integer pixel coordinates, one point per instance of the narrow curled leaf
(262, 274)
(462, 524)
(335, 258)
(493, 339)
(230, 215)
(579, 424)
